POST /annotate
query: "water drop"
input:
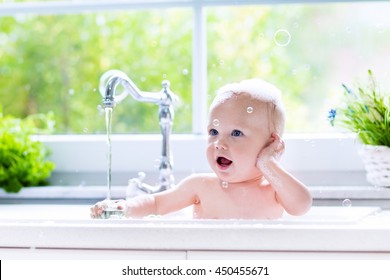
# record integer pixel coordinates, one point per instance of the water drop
(380, 28)
(141, 175)
(261, 36)
(157, 162)
(282, 37)
(216, 122)
(225, 185)
(249, 110)
(347, 202)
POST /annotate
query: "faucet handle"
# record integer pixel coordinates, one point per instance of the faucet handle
(171, 98)
(141, 176)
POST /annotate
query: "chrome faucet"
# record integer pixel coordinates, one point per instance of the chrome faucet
(165, 99)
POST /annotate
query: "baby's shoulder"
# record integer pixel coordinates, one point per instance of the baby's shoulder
(201, 179)
(197, 177)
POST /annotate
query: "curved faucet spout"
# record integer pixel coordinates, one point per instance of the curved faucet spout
(108, 89)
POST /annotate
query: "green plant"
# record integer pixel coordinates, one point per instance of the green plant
(365, 112)
(22, 160)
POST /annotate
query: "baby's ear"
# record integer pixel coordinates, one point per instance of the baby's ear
(274, 136)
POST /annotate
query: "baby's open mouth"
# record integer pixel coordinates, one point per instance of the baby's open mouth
(224, 162)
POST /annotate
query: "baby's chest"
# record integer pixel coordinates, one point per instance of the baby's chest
(242, 204)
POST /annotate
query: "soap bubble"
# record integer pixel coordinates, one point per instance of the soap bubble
(185, 71)
(380, 28)
(249, 110)
(141, 175)
(347, 202)
(261, 36)
(157, 162)
(225, 185)
(282, 37)
(216, 122)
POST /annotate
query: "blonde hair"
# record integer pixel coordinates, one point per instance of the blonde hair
(259, 90)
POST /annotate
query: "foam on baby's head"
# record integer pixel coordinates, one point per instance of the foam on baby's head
(259, 90)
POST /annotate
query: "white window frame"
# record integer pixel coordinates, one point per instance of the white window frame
(311, 156)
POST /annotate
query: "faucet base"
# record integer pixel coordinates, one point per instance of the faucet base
(137, 187)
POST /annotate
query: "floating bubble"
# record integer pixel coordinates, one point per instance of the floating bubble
(157, 162)
(141, 175)
(380, 28)
(185, 71)
(71, 91)
(216, 122)
(249, 110)
(261, 36)
(225, 185)
(347, 202)
(282, 37)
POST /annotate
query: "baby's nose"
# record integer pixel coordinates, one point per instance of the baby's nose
(220, 144)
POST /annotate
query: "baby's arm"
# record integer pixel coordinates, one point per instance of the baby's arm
(136, 207)
(290, 192)
(157, 204)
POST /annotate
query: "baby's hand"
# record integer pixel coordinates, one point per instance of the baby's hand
(271, 152)
(98, 209)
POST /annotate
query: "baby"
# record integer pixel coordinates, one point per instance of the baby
(246, 121)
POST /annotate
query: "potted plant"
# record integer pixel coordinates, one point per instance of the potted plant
(366, 112)
(23, 160)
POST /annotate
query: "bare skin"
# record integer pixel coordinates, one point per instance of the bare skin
(248, 181)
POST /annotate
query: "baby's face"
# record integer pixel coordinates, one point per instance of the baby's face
(238, 130)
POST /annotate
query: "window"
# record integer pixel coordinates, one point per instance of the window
(54, 62)
(51, 59)
(52, 55)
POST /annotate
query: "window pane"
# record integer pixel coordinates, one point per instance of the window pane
(307, 50)
(54, 62)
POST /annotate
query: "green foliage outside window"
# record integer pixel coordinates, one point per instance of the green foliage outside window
(54, 62)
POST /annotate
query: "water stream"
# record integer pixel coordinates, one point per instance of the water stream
(109, 149)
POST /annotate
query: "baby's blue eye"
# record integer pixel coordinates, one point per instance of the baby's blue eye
(213, 132)
(236, 133)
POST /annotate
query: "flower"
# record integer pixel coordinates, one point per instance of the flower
(332, 116)
(364, 111)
